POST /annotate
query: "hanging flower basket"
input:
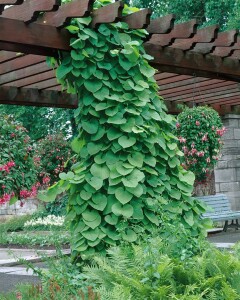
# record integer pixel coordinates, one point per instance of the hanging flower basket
(199, 131)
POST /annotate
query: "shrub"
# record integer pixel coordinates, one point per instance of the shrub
(52, 152)
(18, 176)
(199, 130)
(57, 207)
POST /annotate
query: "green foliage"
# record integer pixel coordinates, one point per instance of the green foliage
(60, 280)
(46, 120)
(37, 238)
(15, 223)
(51, 154)
(128, 174)
(148, 271)
(17, 172)
(199, 132)
(57, 207)
(209, 12)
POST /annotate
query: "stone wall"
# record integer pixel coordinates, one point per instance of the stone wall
(227, 172)
(29, 207)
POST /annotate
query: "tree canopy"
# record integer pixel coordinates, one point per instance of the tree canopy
(42, 121)
(226, 13)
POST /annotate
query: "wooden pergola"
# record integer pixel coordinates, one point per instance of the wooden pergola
(199, 66)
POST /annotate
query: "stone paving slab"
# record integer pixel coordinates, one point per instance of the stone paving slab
(10, 257)
(9, 282)
(230, 236)
(17, 271)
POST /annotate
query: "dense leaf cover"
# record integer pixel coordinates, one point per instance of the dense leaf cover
(127, 177)
(17, 173)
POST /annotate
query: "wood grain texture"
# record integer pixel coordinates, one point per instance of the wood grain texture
(30, 10)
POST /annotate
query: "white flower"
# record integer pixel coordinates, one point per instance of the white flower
(50, 220)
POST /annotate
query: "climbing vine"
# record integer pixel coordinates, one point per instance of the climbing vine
(128, 174)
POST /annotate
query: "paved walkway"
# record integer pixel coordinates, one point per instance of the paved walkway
(13, 273)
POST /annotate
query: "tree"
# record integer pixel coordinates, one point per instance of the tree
(41, 121)
(223, 12)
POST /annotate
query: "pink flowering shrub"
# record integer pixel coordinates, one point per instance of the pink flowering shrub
(18, 177)
(199, 131)
(51, 154)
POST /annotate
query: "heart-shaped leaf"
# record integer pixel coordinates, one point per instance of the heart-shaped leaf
(122, 210)
(91, 218)
(126, 142)
(90, 126)
(151, 217)
(95, 182)
(91, 235)
(93, 85)
(111, 219)
(85, 195)
(113, 134)
(129, 236)
(136, 159)
(99, 201)
(122, 195)
(94, 148)
(121, 170)
(100, 171)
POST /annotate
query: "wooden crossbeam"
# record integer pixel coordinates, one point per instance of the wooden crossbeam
(191, 63)
(204, 35)
(198, 94)
(32, 97)
(30, 10)
(75, 9)
(33, 79)
(161, 25)
(139, 19)
(224, 39)
(7, 56)
(107, 14)
(180, 31)
(177, 89)
(224, 100)
(13, 76)
(16, 35)
(195, 89)
(44, 84)
(3, 3)
(20, 63)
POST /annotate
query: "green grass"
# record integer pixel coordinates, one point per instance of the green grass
(14, 223)
(35, 238)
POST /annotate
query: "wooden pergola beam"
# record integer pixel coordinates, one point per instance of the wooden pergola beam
(74, 9)
(194, 64)
(30, 10)
(33, 97)
(17, 34)
(3, 3)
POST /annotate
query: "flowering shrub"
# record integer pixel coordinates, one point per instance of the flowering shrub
(50, 220)
(199, 132)
(51, 154)
(18, 177)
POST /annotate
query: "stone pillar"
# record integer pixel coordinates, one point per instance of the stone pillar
(227, 171)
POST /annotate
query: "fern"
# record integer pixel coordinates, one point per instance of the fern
(147, 272)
